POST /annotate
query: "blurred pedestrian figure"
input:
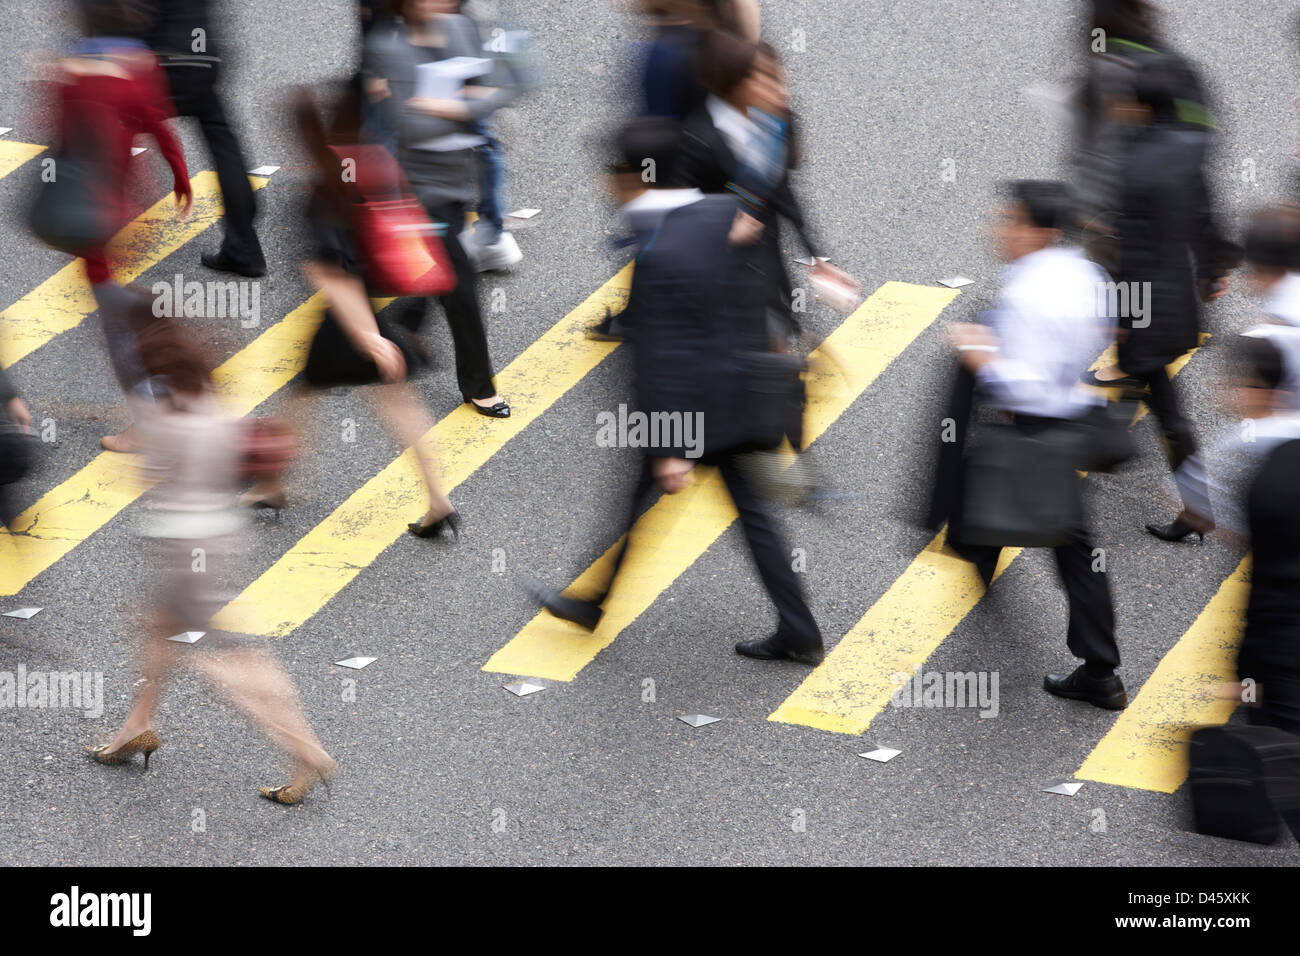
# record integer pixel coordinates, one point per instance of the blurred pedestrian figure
(109, 90)
(669, 82)
(181, 33)
(741, 141)
(1045, 329)
(436, 141)
(192, 453)
(1272, 252)
(1171, 254)
(487, 243)
(699, 344)
(353, 346)
(15, 443)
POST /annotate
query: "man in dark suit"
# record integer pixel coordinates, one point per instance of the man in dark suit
(180, 33)
(1171, 253)
(699, 310)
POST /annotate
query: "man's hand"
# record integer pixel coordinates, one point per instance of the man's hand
(673, 474)
(19, 414)
(975, 345)
(745, 230)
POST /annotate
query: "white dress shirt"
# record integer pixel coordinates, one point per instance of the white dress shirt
(1282, 302)
(1050, 329)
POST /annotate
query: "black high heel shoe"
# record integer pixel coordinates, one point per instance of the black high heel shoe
(450, 521)
(1175, 531)
(499, 410)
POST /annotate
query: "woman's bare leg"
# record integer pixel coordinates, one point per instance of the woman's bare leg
(159, 658)
(411, 424)
(253, 680)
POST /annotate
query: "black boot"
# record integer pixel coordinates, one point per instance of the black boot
(1175, 531)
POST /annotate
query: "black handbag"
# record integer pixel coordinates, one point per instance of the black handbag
(70, 213)
(1020, 490)
(772, 398)
(1105, 438)
(17, 453)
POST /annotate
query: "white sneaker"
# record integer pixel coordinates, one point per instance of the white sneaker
(501, 254)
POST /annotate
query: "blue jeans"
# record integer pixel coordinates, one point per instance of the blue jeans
(491, 160)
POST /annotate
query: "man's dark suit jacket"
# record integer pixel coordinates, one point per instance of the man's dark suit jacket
(699, 306)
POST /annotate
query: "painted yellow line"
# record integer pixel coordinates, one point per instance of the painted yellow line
(13, 155)
(328, 557)
(897, 634)
(673, 533)
(78, 507)
(64, 300)
(1146, 748)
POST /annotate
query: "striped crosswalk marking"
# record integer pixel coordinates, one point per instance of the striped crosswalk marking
(1146, 748)
(328, 557)
(13, 155)
(64, 300)
(679, 528)
(898, 633)
(74, 510)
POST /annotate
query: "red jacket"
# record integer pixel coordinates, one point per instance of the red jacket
(104, 103)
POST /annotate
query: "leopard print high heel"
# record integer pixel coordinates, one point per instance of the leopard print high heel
(145, 743)
(292, 793)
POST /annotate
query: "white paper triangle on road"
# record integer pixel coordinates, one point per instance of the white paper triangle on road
(24, 612)
(699, 720)
(187, 637)
(356, 663)
(522, 688)
(1067, 787)
(956, 282)
(881, 754)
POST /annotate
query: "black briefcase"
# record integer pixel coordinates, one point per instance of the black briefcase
(1020, 490)
(1241, 779)
(772, 397)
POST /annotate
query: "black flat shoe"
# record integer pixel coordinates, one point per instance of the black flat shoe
(1175, 531)
(450, 521)
(1105, 692)
(585, 614)
(770, 649)
(1126, 381)
(221, 262)
(499, 410)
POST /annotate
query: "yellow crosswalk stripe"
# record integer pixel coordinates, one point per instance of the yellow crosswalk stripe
(74, 510)
(677, 529)
(13, 155)
(328, 557)
(898, 633)
(64, 300)
(1146, 748)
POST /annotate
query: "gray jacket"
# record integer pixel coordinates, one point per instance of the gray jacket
(438, 177)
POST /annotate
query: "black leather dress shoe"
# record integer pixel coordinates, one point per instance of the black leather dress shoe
(585, 614)
(223, 263)
(771, 649)
(1104, 692)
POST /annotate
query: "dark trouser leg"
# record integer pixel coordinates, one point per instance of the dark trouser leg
(1091, 634)
(796, 629)
(645, 484)
(473, 364)
(237, 197)
(1164, 405)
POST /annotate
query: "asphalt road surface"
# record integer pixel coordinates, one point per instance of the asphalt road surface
(912, 114)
